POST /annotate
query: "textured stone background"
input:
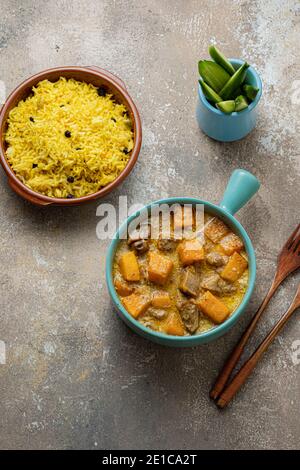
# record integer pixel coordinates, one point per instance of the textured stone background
(75, 376)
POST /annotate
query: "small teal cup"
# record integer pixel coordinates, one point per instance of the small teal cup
(241, 187)
(234, 126)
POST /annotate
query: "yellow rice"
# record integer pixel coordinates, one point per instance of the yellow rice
(44, 159)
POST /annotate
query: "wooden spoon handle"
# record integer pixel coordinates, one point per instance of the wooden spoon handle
(239, 348)
(250, 364)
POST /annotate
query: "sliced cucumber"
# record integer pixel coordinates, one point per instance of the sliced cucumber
(226, 107)
(220, 59)
(234, 82)
(209, 93)
(240, 103)
(250, 91)
(213, 74)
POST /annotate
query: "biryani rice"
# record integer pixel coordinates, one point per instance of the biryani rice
(67, 141)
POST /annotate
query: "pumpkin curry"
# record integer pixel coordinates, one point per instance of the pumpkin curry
(182, 286)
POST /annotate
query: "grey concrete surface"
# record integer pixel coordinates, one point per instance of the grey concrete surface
(75, 376)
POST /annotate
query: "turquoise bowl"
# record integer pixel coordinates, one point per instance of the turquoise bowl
(234, 126)
(241, 187)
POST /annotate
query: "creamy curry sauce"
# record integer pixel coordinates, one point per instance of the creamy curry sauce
(182, 287)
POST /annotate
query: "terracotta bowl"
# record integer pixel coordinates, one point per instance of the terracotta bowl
(97, 77)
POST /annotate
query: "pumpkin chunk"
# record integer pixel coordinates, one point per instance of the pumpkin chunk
(161, 300)
(190, 251)
(159, 268)
(213, 307)
(129, 266)
(215, 229)
(231, 243)
(136, 304)
(174, 325)
(122, 288)
(234, 268)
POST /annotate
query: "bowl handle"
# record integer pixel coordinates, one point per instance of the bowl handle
(29, 197)
(241, 186)
(109, 75)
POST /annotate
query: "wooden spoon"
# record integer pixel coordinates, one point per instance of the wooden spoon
(249, 365)
(288, 261)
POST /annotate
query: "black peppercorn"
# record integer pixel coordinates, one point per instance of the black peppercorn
(31, 119)
(101, 91)
(68, 134)
(34, 165)
(70, 179)
(70, 196)
(125, 150)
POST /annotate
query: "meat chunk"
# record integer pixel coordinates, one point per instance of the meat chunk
(216, 259)
(157, 313)
(140, 233)
(189, 283)
(190, 316)
(213, 282)
(140, 246)
(226, 287)
(166, 244)
(149, 322)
